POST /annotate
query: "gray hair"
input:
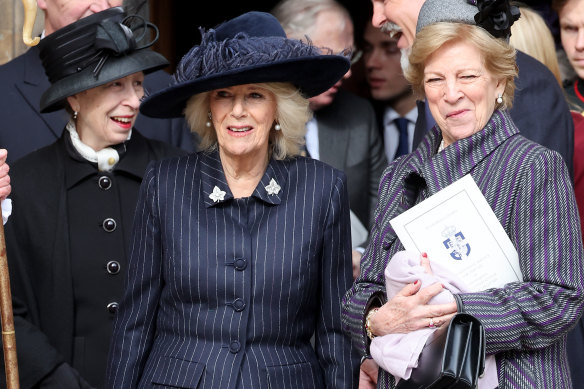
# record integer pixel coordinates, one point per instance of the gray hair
(298, 17)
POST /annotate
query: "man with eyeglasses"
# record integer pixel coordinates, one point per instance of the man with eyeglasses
(343, 132)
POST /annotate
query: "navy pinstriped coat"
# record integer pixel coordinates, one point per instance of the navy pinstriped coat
(227, 294)
(529, 189)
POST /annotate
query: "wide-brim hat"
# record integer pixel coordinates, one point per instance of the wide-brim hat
(495, 16)
(93, 51)
(251, 48)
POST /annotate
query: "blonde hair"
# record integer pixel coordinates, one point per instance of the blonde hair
(531, 35)
(292, 113)
(498, 56)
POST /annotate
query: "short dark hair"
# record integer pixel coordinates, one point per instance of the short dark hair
(557, 5)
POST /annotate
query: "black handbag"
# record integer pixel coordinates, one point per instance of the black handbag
(455, 359)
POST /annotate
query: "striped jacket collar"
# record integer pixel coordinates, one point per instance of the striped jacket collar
(213, 176)
(426, 170)
(439, 170)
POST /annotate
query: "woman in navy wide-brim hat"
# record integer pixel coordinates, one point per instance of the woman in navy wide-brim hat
(241, 253)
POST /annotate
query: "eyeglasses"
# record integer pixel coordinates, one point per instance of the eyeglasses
(353, 55)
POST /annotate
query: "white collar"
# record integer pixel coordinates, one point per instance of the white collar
(106, 158)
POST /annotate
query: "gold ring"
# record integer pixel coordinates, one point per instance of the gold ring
(431, 325)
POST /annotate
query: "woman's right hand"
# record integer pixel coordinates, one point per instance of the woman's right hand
(409, 311)
(4, 177)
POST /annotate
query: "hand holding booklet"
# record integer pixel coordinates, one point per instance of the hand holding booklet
(457, 228)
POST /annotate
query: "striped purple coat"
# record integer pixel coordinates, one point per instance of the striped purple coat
(529, 189)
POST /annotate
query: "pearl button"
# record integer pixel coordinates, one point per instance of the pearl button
(113, 267)
(109, 224)
(104, 182)
(112, 307)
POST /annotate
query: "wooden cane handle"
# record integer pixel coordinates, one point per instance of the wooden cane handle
(30, 10)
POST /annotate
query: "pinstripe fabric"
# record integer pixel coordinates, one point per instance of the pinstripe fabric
(228, 294)
(529, 190)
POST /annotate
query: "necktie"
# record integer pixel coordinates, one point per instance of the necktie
(402, 126)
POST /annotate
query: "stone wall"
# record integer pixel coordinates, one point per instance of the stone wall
(11, 20)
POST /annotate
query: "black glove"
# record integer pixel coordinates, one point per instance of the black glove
(64, 377)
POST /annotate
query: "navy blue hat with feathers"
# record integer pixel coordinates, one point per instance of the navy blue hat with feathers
(251, 48)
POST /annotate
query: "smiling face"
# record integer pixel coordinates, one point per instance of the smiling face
(60, 13)
(107, 113)
(572, 33)
(243, 117)
(461, 92)
(399, 18)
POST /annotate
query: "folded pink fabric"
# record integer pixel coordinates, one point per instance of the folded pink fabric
(399, 353)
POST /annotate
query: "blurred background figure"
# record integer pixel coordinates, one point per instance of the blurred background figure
(571, 16)
(343, 132)
(393, 99)
(531, 35)
(74, 200)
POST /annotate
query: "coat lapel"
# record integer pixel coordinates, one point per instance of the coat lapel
(460, 158)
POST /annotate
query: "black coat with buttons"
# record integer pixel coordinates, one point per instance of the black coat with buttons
(67, 243)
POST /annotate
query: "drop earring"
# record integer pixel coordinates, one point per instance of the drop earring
(209, 124)
(500, 99)
(277, 127)
(75, 115)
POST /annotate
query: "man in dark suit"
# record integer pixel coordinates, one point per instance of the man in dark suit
(343, 131)
(23, 80)
(539, 110)
(393, 99)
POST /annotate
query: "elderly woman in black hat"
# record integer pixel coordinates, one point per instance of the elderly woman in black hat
(241, 252)
(75, 199)
(463, 65)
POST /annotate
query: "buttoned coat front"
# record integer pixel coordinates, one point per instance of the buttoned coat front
(226, 293)
(529, 190)
(45, 286)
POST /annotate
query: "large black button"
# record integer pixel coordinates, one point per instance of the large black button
(240, 264)
(104, 182)
(239, 305)
(109, 224)
(113, 267)
(112, 307)
(234, 346)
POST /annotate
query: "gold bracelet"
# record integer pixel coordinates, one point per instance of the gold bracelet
(370, 315)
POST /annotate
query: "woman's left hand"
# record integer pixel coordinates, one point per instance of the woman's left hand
(5, 187)
(409, 311)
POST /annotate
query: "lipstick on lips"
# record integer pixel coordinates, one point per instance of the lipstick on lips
(123, 121)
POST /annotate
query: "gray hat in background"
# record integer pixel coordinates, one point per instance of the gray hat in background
(495, 16)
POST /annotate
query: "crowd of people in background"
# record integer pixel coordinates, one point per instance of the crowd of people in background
(228, 225)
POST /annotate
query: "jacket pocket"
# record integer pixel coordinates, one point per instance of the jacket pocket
(172, 372)
(299, 375)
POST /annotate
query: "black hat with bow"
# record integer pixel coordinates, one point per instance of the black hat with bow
(93, 51)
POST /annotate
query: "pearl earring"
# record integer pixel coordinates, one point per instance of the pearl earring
(500, 99)
(209, 124)
(75, 115)
(277, 127)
